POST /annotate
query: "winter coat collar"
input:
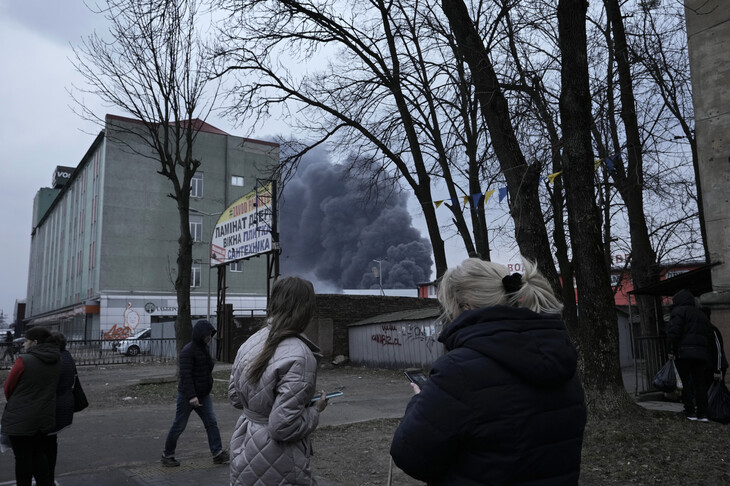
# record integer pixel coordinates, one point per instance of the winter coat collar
(535, 347)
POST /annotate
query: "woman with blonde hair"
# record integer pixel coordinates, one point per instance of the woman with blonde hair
(273, 382)
(504, 405)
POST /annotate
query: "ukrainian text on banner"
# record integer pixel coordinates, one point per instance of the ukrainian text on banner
(244, 229)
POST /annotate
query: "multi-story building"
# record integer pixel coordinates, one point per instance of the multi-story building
(104, 240)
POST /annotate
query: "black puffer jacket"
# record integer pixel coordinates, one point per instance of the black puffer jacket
(32, 406)
(689, 331)
(503, 406)
(196, 364)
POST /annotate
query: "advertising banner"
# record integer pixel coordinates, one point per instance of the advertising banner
(244, 229)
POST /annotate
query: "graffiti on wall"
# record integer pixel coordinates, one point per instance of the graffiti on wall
(390, 335)
(123, 331)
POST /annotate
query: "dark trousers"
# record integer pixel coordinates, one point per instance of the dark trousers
(182, 414)
(31, 460)
(695, 384)
(51, 453)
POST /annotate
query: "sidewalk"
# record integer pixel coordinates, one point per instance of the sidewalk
(114, 447)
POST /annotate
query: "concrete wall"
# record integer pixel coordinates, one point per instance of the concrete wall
(334, 313)
(708, 33)
(396, 345)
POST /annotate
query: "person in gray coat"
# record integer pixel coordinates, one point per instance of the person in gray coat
(273, 381)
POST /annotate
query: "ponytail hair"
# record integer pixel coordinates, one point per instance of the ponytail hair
(290, 309)
(477, 283)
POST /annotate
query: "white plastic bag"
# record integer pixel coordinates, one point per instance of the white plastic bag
(4, 442)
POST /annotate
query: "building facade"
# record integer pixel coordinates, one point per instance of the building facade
(708, 38)
(103, 257)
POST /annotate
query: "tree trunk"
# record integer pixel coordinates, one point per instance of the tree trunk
(522, 180)
(644, 270)
(597, 338)
(183, 323)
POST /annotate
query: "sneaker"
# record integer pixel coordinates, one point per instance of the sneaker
(692, 417)
(702, 419)
(221, 458)
(169, 461)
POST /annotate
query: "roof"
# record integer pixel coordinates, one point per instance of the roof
(198, 124)
(698, 281)
(406, 315)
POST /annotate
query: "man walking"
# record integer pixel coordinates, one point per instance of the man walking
(195, 382)
(689, 333)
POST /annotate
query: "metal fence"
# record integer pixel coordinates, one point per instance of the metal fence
(106, 352)
(650, 356)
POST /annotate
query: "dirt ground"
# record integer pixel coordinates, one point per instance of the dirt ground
(645, 448)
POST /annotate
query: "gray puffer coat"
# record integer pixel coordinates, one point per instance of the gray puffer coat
(270, 444)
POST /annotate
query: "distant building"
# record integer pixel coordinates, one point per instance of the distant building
(104, 238)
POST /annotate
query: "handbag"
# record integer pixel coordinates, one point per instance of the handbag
(667, 378)
(80, 400)
(718, 402)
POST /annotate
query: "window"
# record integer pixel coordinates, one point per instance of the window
(196, 227)
(196, 185)
(195, 276)
(236, 266)
(237, 181)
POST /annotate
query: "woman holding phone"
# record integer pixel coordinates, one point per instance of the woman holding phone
(273, 381)
(504, 405)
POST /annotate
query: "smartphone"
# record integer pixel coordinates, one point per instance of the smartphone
(327, 396)
(417, 377)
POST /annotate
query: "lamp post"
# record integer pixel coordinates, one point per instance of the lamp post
(380, 274)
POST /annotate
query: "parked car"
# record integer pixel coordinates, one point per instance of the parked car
(137, 343)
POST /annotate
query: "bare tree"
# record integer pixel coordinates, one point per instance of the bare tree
(152, 67)
(393, 91)
(598, 331)
(522, 178)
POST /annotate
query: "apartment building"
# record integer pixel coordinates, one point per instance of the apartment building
(104, 238)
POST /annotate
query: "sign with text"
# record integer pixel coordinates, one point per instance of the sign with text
(244, 229)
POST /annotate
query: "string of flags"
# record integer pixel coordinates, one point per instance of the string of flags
(476, 198)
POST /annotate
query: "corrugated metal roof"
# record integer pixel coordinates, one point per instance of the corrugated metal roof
(406, 315)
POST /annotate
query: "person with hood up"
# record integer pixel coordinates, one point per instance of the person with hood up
(505, 404)
(64, 399)
(690, 338)
(30, 411)
(273, 381)
(195, 382)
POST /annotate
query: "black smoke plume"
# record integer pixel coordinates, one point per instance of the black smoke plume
(331, 232)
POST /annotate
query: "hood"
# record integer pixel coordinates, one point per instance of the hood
(534, 347)
(683, 297)
(46, 352)
(201, 329)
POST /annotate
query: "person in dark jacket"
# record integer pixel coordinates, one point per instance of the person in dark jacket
(64, 400)
(9, 351)
(505, 404)
(195, 382)
(690, 338)
(30, 411)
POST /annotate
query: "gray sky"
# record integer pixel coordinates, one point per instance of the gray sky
(39, 130)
